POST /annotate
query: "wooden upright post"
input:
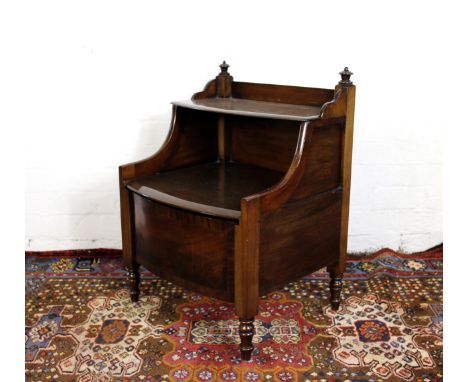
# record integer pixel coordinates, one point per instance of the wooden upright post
(336, 270)
(223, 90)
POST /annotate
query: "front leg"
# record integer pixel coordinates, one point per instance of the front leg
(246, 333)
(246, 309)
(336, 285)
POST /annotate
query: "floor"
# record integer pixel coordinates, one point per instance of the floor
(81, 325)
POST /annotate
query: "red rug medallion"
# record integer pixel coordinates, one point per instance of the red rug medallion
(82, 327)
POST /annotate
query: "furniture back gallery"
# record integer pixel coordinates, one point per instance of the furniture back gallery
(250, 191)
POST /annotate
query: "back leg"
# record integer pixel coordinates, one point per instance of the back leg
(336, 285)
(133, 281)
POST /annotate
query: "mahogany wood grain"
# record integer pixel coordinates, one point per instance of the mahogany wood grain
(346, 173)
(183, 146)
(336, 107)
(224, 140)
(279, 140)
(307, 230)
(197, 141)
(296, 95)
(186, 248)
(323, 169)
(207, 92)
(247, 283)
(249, 191)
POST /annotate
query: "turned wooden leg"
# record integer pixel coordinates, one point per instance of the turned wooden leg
(133, 281)
(336, 285)
(246, 274)
(246, 333)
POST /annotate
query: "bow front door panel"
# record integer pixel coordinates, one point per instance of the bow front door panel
(189, 249)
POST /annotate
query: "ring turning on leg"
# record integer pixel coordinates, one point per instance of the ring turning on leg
(246, 333)
(336, 285)
(133, 281)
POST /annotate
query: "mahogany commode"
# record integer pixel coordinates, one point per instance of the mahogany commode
(249, 192)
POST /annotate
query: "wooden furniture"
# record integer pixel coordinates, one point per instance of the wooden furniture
(249, 192)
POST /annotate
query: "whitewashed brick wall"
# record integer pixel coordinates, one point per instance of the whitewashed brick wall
(102, 82)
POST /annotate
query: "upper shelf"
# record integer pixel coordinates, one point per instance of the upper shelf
(252, 108)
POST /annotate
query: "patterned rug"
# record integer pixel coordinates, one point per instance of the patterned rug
(81, 325)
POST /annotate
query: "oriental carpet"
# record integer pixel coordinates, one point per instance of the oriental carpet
(82, 327)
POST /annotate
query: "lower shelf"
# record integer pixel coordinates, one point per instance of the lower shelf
(214, 189)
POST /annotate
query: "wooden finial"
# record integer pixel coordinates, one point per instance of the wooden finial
(224, 82)
(345, 77)
(224, 68)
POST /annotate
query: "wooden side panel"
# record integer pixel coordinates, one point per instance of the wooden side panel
(197, 252)
(262, 142)
(299, 238)
(246, 261)
(197, 140)
(325, 161)
(295, 95)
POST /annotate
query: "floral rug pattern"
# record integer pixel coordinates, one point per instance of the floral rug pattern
(81, 325)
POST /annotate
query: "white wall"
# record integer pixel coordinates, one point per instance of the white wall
(98, 78)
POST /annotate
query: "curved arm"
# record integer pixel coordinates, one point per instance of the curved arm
(156, 161)
(128, 172)
(277, 195)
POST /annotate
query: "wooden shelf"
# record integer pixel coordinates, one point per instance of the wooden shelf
(246, 107)
(214, 189)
